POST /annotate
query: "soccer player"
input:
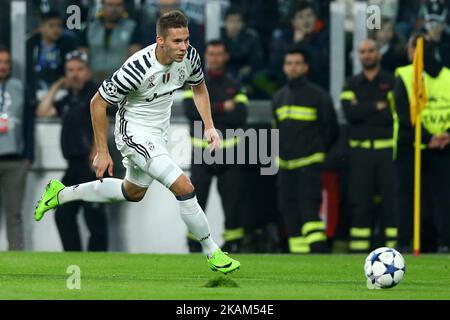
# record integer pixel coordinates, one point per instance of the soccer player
(143, 89)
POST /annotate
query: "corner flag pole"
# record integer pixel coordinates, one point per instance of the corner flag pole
(417, 181)
(418, 102)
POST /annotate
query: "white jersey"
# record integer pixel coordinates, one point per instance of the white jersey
(143, 89)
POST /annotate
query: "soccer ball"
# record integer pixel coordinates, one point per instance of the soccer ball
(384, 268)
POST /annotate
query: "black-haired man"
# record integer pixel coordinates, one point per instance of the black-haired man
(77, 148)
(366, 103)
(306, 118)
(229, 111)
(45, 55)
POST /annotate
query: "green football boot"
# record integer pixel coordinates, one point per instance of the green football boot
(49, 200)
(220, 261)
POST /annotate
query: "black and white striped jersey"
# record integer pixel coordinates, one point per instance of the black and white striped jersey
(144, 88)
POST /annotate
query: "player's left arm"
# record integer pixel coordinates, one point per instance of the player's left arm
(201, 100)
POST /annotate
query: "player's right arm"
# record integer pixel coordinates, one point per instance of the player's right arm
(102, 159)
(113, 90)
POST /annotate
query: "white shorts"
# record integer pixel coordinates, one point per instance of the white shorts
(145, 159)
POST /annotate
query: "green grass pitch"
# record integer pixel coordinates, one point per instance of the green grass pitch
(25, 275)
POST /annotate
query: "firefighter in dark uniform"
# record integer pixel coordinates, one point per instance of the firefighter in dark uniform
(78, 149)
(307, 124)
(435, 117)
(365, 102)
(229, 111)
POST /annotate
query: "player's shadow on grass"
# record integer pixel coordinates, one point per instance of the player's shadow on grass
(221, 282)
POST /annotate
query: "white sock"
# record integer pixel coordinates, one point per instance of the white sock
(195, 219)
(110, 190)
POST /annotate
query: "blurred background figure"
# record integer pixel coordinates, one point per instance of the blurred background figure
(36, 8)
(229, 111)
(309, 32)
(151, 10)
(435, 169)
(244, 47)
(78, 149)
(437, 29)
(365, 101)
(261, 16)
(45, 52)
(5, 22)
(391, 46)
(306, 120)
(110, 39)
(16, 153)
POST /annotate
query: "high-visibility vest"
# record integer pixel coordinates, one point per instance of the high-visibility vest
(435, 116)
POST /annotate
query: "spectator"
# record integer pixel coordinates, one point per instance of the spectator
(78, 150)
(365, 101)
(15, 150)
(261, 16)
(5, 22)
(388, 8)
(309, 32)
(435, 148)
(408, 17)
(391, 46)
(305, 115)
(45, 55)
(110, 39)
(244, 47)
(193, 9)
(229, 111)
(437, 29)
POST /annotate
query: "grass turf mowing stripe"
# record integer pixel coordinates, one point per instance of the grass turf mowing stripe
(29, 275)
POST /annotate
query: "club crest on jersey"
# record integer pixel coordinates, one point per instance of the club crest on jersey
(150, 80)
(166, 77)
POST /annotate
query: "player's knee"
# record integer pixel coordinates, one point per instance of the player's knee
(133, 194)
(136, 196)
(183, 187)
(185, 190)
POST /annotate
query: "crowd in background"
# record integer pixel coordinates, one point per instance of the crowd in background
(256, 33)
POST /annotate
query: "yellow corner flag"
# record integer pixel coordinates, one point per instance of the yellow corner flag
(418, 102)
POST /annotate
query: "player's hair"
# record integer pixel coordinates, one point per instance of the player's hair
(170, 19)
(216, 42)
(297, 49)
(52, 14)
